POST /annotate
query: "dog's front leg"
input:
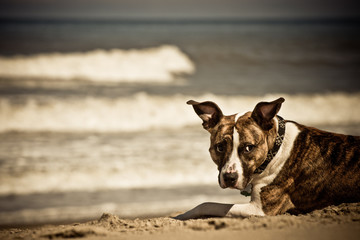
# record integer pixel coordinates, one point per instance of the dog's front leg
(210, 209)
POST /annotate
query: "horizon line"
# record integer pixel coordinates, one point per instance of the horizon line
(231, 20)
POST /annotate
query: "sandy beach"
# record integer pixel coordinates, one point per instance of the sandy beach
(334, 222)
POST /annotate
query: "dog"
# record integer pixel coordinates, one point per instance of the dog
(289, 167)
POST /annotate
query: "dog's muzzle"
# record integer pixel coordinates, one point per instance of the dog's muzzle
(230, 179)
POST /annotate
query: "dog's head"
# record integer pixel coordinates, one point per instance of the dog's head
(239, 143)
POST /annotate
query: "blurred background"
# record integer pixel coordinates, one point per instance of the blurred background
(92, 95)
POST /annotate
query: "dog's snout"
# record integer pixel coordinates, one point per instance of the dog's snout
(230, 179)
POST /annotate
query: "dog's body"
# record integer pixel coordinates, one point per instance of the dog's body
(291, 167)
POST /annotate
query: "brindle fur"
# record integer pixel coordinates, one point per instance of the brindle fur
(322, 170)
(222, 133)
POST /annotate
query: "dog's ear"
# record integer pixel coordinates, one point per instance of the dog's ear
(209, 112)
(264, 112)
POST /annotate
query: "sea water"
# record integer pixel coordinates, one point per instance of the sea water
(93, 114)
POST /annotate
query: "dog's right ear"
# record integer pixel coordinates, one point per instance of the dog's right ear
(208, 111)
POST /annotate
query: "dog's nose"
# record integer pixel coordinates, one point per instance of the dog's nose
(230, 179)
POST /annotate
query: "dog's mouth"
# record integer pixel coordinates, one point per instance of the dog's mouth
(241, 186)
(236, 187)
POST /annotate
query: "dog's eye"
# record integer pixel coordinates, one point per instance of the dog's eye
(249, 148)
(220, 148)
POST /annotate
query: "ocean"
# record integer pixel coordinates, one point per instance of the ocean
(93, 114)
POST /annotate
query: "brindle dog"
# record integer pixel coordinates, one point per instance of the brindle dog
(291, 167)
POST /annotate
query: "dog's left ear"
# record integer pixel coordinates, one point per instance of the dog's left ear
(208, 111)
(264, 112)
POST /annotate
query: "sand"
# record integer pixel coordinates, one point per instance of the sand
(334, 222)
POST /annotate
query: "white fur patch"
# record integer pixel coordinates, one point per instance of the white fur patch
(233, 165)
(237, 116)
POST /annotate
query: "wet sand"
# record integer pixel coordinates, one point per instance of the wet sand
(334, 222)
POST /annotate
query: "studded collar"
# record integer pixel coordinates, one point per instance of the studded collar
(272, 152)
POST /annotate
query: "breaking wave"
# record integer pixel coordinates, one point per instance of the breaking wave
(161, 65)
(145, 112)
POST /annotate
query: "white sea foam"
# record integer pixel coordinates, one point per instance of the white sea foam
(102, 179)
(32, 163)
(160, 64)
(145, 112)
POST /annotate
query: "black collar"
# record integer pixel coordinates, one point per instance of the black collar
(278, 141)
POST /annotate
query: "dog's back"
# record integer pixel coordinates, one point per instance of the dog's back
(322, 170)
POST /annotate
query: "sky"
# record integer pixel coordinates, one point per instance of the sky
(178, 9)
